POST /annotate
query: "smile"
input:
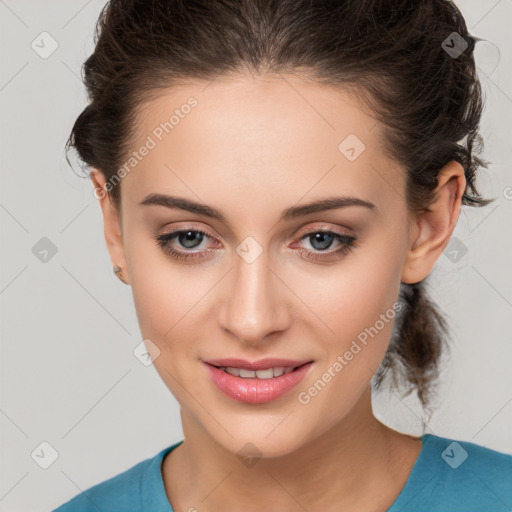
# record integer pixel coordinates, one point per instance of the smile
(257, 386)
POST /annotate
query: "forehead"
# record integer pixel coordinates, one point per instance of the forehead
(281, 137)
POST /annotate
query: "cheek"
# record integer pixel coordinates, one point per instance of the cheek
(165, 300)
(167, 305)
(164, 294)
(357, 303)
(360, 308)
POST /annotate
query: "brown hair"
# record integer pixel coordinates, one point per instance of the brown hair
(428, 100)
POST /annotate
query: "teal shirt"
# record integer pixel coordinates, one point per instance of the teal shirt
(448, 476)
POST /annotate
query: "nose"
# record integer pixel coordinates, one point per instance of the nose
(256, 304)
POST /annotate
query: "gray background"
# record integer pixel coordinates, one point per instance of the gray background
(68, 326)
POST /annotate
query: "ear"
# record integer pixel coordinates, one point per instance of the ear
(431, 230)
(112, 223)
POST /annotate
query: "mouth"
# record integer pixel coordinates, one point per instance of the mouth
(257, 386)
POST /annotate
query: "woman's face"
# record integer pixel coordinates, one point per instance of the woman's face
(257, 285)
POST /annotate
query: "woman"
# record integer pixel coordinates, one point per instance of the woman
(277, 181)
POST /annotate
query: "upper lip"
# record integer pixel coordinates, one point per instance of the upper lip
(261, 364)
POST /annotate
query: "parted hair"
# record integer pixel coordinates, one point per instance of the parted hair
(391, 53)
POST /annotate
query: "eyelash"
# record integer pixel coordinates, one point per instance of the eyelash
(348, 244)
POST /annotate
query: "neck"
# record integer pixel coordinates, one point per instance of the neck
(359, 464)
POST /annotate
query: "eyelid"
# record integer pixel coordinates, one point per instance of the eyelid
(326, 227)
(322, 226)
(187, 227)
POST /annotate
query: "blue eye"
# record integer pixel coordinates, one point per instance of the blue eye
(192, 238)
(325, 240)
(188, 240)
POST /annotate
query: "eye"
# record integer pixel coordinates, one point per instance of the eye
(189, 238)
(319, 239)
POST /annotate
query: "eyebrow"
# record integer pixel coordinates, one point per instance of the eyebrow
(293, 212)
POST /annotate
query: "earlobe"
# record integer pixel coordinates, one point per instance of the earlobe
(111, 223)
(434, 227)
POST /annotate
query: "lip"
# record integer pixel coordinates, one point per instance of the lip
(261, 364)
(257, 391)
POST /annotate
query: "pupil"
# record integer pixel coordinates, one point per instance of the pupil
(190, 238)
(319, 236)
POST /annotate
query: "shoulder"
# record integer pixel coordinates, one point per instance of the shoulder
(120, 492)
(468, 476)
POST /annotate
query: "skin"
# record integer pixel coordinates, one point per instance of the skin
(253, 147)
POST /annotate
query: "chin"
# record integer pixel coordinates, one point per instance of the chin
(252, 445)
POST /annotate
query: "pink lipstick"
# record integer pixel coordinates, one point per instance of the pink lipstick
(237, 378)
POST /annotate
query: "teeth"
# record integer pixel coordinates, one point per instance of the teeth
(259, 374)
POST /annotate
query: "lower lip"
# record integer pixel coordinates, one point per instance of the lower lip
(256, 391)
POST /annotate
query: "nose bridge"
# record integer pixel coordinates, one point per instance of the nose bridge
(254, 307)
